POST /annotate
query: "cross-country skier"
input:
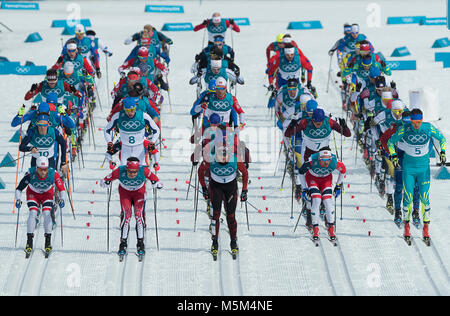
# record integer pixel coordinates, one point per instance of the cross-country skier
(132, 191)
(316, 178)
(217, 26)
(416, 138)
(71, 54)
(39, 181)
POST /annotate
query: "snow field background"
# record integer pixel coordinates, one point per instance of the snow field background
(273, 260)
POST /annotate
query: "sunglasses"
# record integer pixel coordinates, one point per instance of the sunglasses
(325, 159)
(397, 112)
(416, 121)
(71, 50)
(42, 124)
(142, 57)
(130, 110)
(291, 88)
(220, 88)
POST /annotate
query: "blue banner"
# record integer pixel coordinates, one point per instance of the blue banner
(164, 8)
(401, 64)
(305, 25)
(178, 27)
(400, 52)
(19, 6)
(405, 19)
(14, 68)
(434, 21)
(241, 21)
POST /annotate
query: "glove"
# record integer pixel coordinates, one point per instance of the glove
(358, 86)
(205, 22)
(33, 87)
(330, 52)
(90, 92)
(244, 195)
(104, 184)
(18, 203)
(342, 123)
(61, 110)
(337, 190)
(271, 88)
(231, 21)
(105, 50)
(128, 41)
(99, 73)
(383, 63)
(61, 203)
(442, 157)
(395, 161)
(393, 85)
(73, 89)
(110, 148)
(205, 193)
(204, 105)
(308, 85)
(151, 147)
(169, 41)
(21, 111)
(122, 74)
(157, 185)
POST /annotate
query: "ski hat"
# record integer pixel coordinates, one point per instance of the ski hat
(71, 46)
(52, 98)
(221, 82)
(44, 107)
(325, 154)
(406, 116)
(68, 67)
(416, 115)
(212, 85)
(374, 72)
(79, 29)
(215, 119)
(216, 18)
(347, 28)
(397, 104)
(129, 103)
(216, 63)
(218, 38)
(287, 39)
(292, 83)
(386, 95)
(136, 70)
(318, 115)
(280, 37)
(42, 117)
(289, 51)
(143, 52)
(132, 163)
(90, 33)
(355, 28)
(364, 46)
(42, 162)
(311, 105)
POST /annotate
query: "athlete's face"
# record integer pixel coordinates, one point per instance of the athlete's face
(67, 74)
(416, 124)
(42, 127)
(80, 36)
(290, 57)
(221, 92)
(72, 53)
(317, 124)
(131, 112)
(355, 34)
(42, 172)
(132, 173)
(52, 84)
(292, 92)
(215, 70)
(281, 44)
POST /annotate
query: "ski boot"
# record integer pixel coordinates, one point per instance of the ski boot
(234, 248)
(416, 218)
(29, 245)
(140, 248)
(407, 233)
(315, 236)
(390, 204)
(398, 217)
(156, 166)
(214, 248)
(122, 249)
(425, 234)
(308, 223)
(48, 246)
(331, 234)
(298, 192)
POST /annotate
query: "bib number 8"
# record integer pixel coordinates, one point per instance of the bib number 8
(131, 140)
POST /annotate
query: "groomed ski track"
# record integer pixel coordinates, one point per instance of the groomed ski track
(273, 260)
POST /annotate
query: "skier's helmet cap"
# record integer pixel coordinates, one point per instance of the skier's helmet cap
(397, 105)
(143, 52)
(129, 103)
(218, 38)
(52, 98)
(68, 67)
(311, 105)
(289, 51)
(374, 72)
(216, 63)
(42, 162)
(215, 118)
(318, 115)
(71, 47)
(44, 107)
(325, 154)
(347, 28)
(52, 75)
(221, 82)
(90, 32)
(132, 163)
(132, 76)
(136, 70)
(386, 95)
(280, 38)
(79, 29)
(416, 115)
(287, 39)
(292, 83)
(355, 28)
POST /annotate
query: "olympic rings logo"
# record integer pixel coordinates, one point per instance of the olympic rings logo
(41, 185)
(43, 141)
(70, 80)
(320, 171)
(223, 171)
(56, 90)
(290, 67)
(132, 183)
(318, 132)
(221, 105)
(417, 138)
(76, 64)
(351, 45)
(22, 70)
(133, 125)
(364, 73)
(216, 29)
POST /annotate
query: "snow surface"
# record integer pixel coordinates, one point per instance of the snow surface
(273, 260)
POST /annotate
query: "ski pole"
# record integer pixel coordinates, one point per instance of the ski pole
(107, 80)
(8, 164)
(18, 157)
(329, 71)
(190, 178)
(62, 234)
(156, 222)
(246, 214)
(17, 225)
(298, 220)
(107, 213)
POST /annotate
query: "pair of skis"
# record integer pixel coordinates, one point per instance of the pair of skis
(234, 253)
